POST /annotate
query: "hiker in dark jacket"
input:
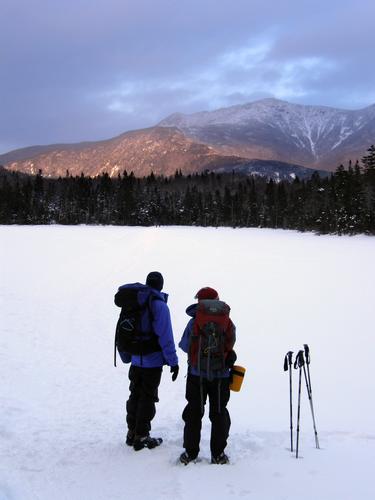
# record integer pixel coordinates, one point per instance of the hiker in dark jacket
(146, 369)
(200, 384)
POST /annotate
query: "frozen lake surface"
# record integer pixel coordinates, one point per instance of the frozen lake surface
(62, 421)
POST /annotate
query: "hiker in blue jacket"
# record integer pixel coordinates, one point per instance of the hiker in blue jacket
(146, 369)
(207, 378)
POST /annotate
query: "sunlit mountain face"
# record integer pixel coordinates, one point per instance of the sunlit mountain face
(267, 137)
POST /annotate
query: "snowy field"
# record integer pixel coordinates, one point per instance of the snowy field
(62, 401)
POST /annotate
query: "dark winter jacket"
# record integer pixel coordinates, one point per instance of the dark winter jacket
(184, 343)
(162, 326)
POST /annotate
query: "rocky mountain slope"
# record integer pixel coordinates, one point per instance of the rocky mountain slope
(270, 130)
(159, 149)
(314, 136)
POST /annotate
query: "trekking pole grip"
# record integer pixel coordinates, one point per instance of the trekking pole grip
(286, 363)
(300, 361)
(290, 354)
(288, 360)
(307, 353)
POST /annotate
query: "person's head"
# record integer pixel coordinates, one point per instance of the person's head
(155, 280)
(206, 293)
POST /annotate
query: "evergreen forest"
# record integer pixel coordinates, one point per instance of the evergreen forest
(341, 203)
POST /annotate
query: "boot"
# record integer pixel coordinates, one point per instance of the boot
(185, 458)
(220, 459)
(146, 442)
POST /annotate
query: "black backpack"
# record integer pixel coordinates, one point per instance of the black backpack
(131, 335)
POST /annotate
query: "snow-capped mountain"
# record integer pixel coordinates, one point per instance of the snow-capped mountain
(281, 133)
(270, 129)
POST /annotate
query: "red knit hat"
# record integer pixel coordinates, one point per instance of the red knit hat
(207, 293)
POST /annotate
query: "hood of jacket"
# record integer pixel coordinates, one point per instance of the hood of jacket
(145, 292)
(192, 310)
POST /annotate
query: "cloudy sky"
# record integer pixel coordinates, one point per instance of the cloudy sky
(73, 70)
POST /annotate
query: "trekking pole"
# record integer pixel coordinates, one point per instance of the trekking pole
(299, 363)
(288, 365)
(309, 391)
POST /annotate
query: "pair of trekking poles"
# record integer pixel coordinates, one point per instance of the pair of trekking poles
(302, 361)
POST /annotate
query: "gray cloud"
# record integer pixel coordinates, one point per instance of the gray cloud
(78, 70)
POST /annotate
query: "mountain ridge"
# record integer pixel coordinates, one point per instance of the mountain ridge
(306, 136)
(273, 129)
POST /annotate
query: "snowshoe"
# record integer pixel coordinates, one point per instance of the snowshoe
(220, 459)
(185, 458)
(146, 442)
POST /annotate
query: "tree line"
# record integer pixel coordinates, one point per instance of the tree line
(342, 203)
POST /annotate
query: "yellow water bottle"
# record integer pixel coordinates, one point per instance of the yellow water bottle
(237, 373)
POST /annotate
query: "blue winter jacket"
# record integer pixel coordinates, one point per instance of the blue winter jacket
(162, 326)
(184, 343)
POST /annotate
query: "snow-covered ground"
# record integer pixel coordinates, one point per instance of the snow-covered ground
(62, 401)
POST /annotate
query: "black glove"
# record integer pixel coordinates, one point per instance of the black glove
(231, 359)
(174, 371)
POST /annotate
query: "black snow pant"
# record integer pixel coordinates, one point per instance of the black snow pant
(140, 407)
(218, 393)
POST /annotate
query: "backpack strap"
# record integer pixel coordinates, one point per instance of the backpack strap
(219, 396)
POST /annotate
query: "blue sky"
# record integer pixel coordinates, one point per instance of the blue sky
(74, 70)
